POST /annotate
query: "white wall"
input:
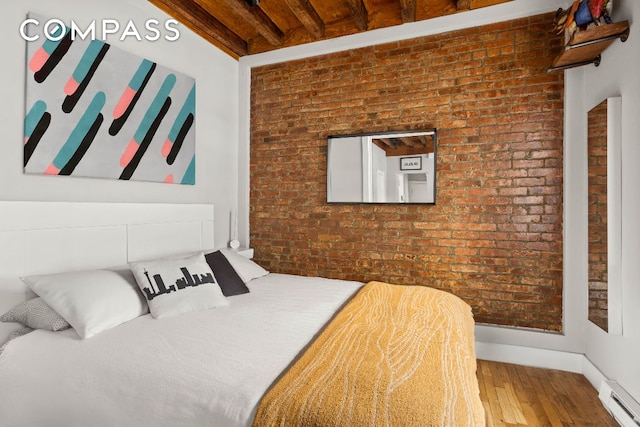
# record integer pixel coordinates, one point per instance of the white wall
(393, 168)
(616, 356)
(216, 77)
(378, 165)
(345, 177)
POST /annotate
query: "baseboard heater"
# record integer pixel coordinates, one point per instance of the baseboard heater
(624, 408)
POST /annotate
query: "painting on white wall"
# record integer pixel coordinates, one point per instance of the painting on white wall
(410, 163)
(94, 110)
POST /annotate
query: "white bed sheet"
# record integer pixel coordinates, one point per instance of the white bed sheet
(208, 368)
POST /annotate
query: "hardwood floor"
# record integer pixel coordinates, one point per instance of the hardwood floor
(515, 395)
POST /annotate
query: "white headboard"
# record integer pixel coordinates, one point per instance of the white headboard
(52, 237)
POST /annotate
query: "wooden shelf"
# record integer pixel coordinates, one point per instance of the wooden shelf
(586, 46)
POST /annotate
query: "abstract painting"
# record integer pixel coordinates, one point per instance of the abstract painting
(94, 110)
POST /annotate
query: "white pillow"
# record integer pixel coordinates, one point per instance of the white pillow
(178, 285)
(91, 301)
(246, 269)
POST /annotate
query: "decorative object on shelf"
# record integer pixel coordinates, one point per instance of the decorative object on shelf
(581, 14)
(588, 30)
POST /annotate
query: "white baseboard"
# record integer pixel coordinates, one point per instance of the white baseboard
(541, 358)
(592, 373)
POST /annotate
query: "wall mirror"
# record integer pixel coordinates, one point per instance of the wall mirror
(604, 215)
(388, 167)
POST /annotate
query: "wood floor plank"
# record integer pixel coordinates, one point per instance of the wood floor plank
(490, 387)
(516, 407)
(515, 395)
(550, 410)
(505, 405)
(531, 418)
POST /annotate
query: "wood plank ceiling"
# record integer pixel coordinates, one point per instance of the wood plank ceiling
(240, 29)
(406, 146)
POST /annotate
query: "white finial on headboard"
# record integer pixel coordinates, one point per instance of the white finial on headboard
(234, 243)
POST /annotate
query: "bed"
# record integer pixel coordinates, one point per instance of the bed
(292, 350)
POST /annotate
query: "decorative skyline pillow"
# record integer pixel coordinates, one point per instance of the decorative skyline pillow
(174, 286)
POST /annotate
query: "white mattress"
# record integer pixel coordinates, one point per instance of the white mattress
(208, 368)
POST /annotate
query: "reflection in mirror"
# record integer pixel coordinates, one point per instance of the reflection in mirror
(604, 215)
(390, 167)
(597, 190)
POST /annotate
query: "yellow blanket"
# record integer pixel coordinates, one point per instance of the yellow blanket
(393, 356)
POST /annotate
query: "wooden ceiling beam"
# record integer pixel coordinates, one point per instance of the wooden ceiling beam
(359, 13)
(308, 16)
(386, 141)
(260, 21)
(201, 22)
(463, 4)
(239, 29)
(407, 141)
(408, 10)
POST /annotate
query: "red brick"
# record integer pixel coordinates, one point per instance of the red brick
(494, 236)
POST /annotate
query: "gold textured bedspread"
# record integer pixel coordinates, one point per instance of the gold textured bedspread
(393, 356)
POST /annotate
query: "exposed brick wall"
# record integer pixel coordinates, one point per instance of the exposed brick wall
(494, 236)
(597, 190)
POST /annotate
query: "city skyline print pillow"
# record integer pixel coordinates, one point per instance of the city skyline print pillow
(94, 110)
(174, 286)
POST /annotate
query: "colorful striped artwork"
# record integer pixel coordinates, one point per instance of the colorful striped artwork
(35, 125)
(94, 110)
(49, 54)
(180, 128)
